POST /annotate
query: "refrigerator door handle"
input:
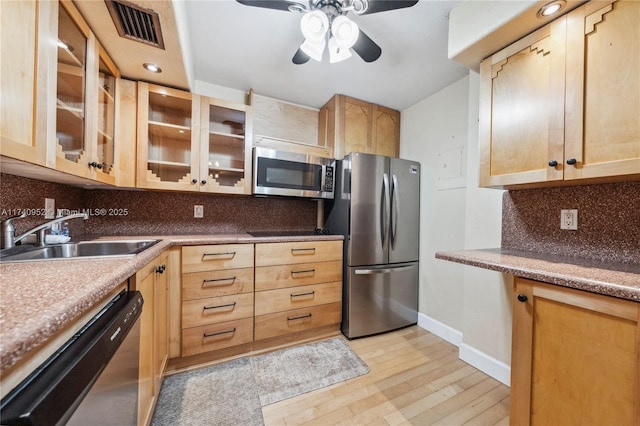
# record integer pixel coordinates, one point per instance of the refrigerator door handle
(382, 270)
(395, 202)
(385, 210)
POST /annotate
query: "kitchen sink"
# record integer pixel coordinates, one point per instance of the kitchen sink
(82, 249)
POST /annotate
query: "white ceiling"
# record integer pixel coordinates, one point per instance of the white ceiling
(244, 47)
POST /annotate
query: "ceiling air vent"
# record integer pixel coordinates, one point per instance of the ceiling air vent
(136, 23)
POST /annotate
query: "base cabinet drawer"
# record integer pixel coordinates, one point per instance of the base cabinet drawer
(285, 299)
(281, 323)
(268, 254)
(200, 285)
(212, 257)
(280, 276)
(216, 336)
(216, 309)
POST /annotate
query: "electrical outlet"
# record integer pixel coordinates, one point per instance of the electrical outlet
(569, 219)
(198, 211)
(49, 208)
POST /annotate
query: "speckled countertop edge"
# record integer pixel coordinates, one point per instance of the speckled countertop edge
(39, 299)
(617, 280)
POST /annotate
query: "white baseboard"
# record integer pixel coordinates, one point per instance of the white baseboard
(441, 330)
(485, 363)
(480, 360)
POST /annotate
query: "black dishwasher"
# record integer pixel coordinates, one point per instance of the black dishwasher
(91, 379)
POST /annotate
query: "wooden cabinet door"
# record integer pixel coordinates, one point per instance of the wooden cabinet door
(358, 119)
(225, 147)
(386, 131)
(574, 357)
(603, 90)
(522, 110)
(168, 139)
(24, 28)
(145, 283)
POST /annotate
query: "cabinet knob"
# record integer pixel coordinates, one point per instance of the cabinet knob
(553, 163)
(203, 182)
(96, 165)
(571, 161)
(522, 298)
(160, 269)
(194, 180)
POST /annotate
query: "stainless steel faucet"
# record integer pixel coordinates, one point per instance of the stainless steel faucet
(8, 231)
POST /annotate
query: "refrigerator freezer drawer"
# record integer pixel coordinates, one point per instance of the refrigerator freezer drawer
(379, 299)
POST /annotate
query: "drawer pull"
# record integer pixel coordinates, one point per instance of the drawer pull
(219, 306)
(218, 281)
(226, 253)
(205, 335)
(306, 271)
(311, 250)
(311, 293)
(300, 317)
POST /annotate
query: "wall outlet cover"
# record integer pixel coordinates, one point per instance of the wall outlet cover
(569, 219)
(198, 211)
(49, 208)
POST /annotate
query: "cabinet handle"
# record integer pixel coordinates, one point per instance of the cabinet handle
(306, 271)
(522, 298)
(219, 306)
(160, 269)
(297, 250)
(226, 253)
(571, 161)
(300, 317)
(194, 181)
(211, 283)
(553, 163)
(205, 335)
(96, 165)
(203, 182)
(311, 293)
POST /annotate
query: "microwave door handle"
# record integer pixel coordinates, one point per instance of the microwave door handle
(384, 210)
(323, 178)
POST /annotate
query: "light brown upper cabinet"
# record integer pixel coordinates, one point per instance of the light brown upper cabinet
(65, 116)
(21, 41)
(350, 125)
(539, 127)
(192, 143)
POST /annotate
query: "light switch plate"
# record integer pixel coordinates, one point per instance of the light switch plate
(198, 211)
(569, 219)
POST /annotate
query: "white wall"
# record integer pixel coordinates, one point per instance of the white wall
(468, 306)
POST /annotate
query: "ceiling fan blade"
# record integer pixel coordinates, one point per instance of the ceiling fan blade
(367, 48)
(376, 6)
(300, 57)
(270, 4)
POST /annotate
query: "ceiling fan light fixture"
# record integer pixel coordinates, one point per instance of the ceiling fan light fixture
(314, 49)
(359, 6)
(337, 53)
(314, 25)
(344, 31)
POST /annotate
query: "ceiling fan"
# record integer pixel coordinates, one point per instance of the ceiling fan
(326, 19)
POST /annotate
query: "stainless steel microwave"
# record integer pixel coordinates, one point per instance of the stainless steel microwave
(291, 174)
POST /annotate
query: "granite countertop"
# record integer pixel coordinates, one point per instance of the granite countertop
(39, 299)
(620, 280)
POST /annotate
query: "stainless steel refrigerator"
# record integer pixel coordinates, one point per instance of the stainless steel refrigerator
(377, 209)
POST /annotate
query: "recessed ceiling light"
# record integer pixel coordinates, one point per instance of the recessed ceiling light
(551, 8)
(152, 67)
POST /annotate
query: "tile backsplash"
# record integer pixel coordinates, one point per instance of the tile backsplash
(608, 221)
(138, 212)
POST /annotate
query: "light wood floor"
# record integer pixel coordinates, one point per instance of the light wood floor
(415, 378)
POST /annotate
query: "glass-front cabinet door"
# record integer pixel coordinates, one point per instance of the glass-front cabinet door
(225, 151)
(104, 157)
(70, 93)
(166, 138)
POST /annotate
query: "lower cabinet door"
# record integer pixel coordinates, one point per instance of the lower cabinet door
(216, 336)
(280, 323)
